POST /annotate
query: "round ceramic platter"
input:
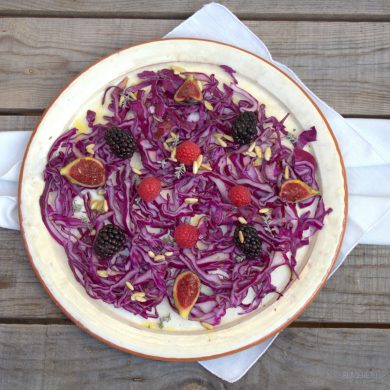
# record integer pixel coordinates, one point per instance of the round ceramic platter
(180, 339)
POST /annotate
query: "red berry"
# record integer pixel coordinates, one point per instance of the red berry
(187, 152)
(239, 195)
(149, 189)
(186, 235)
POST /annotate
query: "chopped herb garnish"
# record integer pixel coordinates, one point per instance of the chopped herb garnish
(163, 319)
(291, 137)
(77, 207)
(137, 179)
(174, 141)
(163, 163)
(126, 97)
(179, 171)
(168, 239)
(268, 228)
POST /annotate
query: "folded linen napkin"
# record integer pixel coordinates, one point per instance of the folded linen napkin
(364, 143)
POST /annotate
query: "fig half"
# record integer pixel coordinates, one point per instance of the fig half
(296, 191)
(85, 172)
(186, 291)
(188, 92)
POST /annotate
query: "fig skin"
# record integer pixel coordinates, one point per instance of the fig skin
(97, 176)
(296, 191)
(189, 281)
(188, 92)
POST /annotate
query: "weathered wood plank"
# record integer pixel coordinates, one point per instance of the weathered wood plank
(17, 122)
(63, 357)
(358, 292)
(262, 9)
(344, 63)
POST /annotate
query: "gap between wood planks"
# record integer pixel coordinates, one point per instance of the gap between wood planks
(39, 112)
(184, 15)
(300, 324)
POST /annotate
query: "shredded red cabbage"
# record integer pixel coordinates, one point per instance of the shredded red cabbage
(149, 112)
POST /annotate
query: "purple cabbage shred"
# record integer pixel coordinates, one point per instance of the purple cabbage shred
(149, 112)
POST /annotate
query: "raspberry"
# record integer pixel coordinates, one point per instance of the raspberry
(187, 152)
(149, 189)
(239, 196)
(186, 235)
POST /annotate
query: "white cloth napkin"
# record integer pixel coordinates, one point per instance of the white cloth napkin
(364, 143)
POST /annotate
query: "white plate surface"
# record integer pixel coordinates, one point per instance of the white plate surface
(181, 339)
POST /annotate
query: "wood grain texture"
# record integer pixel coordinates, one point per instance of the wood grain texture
(346, 64)
(18, 122)
(358, 292)
(63, 357)
(261, 9)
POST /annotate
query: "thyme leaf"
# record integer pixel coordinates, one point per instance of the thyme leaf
(163, 319)
(179, 171)
(163, 163)
(291, 137)
(76, 207)
(84, 219)
(175, 141)
(126, 97)
(268, 228)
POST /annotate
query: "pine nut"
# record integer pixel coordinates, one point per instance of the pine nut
(265, 210)
(252, 147)
(228, 137)
(206, 167)
(191, 200)
(90, 148)
(242, 220)
(257, 162)
(259, 152)
(195, 168)
(208, 105)
(268, 153)
(286, 172)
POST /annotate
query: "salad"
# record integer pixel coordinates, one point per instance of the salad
(187, 191)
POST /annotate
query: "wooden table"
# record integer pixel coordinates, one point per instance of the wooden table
(341, 49)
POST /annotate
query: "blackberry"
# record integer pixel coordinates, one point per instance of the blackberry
(109, 240)
(244, 128)
(251, 247)
(121, 143)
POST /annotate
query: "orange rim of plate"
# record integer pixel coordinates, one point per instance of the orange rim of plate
(269, 335)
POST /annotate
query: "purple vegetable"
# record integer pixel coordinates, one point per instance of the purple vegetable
(149, 226)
